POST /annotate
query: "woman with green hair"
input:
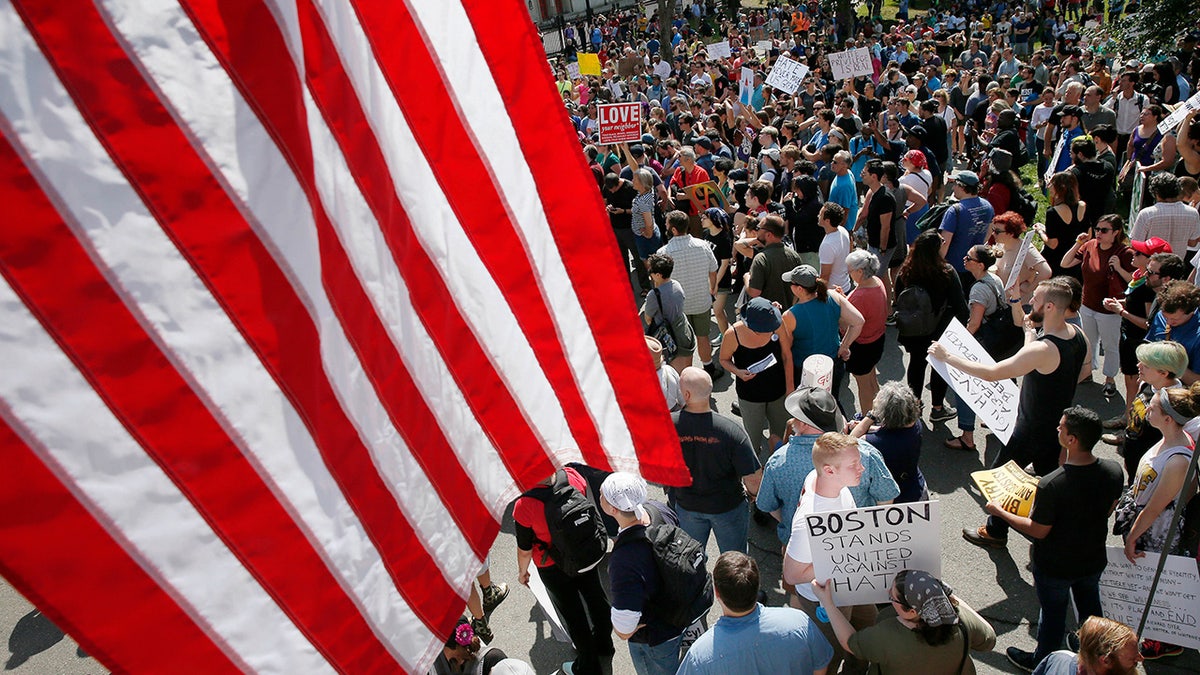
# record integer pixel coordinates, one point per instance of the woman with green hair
(1159, 366)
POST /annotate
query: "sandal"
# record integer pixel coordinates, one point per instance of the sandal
(958, 444)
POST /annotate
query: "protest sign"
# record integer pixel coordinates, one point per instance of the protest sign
(1010, 485)
(719, 50)
(1019, 261)
(1176, 607)
(746, 84)
(1059, 149)
(860, 550)
(851, 63)
(619, 122)
(764, 46)
(589, 64)
(994, 402)
(573, 70)
(1171, 121)
(627, 66)
(706, 195)
(787, 75)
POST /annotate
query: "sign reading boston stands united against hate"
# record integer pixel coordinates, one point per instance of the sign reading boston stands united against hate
(620, 122)
(860, 550)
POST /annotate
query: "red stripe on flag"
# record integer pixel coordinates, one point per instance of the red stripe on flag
(578, 221)
(48, 267)
(65, 562)
(256, 57)
(449, 145)
(194, 209)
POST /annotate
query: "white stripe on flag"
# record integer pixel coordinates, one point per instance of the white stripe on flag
(111, 474)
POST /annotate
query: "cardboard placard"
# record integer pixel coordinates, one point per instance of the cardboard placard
(1010, 485)
(787, 75)
(589, 64)
(1175, 613)
(627, 66)
(1173, 120)
(860, 550)
(746, 86)
(573, 70)
(543, 601)
(1019, 262)
(705, 196)
(719, 50)
(851, 63)
(994, 402)
(619, 122)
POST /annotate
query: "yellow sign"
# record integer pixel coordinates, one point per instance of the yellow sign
(1009, 485)
(589, 64)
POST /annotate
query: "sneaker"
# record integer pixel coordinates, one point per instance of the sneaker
(568, 668)
(736, 409)
(481, 629)
(1021, 659)
(494, 595)
(982, 539)
(942, 414)
(1114, 439)
(1153, 649)
(1118, 422)
(1110, 389)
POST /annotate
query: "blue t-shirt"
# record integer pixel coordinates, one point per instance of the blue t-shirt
(767, 641)
(844, 192)
(1064, 160)
(1187, 335)
(969, 222)
(786, 469)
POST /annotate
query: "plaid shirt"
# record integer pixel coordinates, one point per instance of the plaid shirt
(694, 261)
(1175, 222)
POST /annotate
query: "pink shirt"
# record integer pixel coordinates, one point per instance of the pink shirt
(872, 303)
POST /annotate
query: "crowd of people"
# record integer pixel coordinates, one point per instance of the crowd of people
(773, 237)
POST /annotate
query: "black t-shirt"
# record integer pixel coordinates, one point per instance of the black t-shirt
(803, 224)
(1075, 501)
(718, 453)
(621, 199)
(882, 203)
(722, 246)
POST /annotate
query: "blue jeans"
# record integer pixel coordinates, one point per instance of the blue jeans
(661, 659)
(730, 527)
(966, 415)
(1054, 597)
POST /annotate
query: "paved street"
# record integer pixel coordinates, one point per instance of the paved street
(997, 583)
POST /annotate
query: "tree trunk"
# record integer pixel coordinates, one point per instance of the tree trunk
(845, 19)
(664, 31)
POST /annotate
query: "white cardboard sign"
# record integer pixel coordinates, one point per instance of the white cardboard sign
(1175, 611)
(543, 601)
(719, 50)
(1173, 120)
(994, 402)
(851, 63)
(746, 82)
(1019, 261)
(860, 550)
(787, 75)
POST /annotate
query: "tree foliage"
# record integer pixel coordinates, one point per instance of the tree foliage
(1155, 26)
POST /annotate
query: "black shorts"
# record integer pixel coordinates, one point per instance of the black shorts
(864, 357)
(1128, 350)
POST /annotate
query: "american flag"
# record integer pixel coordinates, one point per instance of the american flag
(295, 298)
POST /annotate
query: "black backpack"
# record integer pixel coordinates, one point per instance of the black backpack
(577, 537)
(932, 219)
(685, 591)
(1024, 205)
(914, 312)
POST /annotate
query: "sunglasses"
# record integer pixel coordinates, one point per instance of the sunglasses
(1103, 230)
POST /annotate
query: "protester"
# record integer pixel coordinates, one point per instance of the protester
(893, 426)
(1008, 230)
(752, 352)
(695, 270)
(1106, 647)
(820, 321)
(665, 304)
(870, 298)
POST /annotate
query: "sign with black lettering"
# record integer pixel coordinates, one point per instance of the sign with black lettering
(851, 63)
(1175, 612)
(1010, 485)
(994, 402)
(860, 550)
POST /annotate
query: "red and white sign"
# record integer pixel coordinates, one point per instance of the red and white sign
(620, 123)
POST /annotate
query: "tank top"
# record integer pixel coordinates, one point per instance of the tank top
(767, 385)
(1044, 397)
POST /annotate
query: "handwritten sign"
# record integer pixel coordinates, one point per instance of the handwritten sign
(719, 50)
(706, 195)
(1175, 612)
(573, 70)
(589, 64)
(861, 550)
(1014, 274)
(1175, 118)
(619, 122)
(787, 75)
(746, 83)
(763, 46)
(994, 402)
(851, 63)
(1059, 149)
(1010, 485)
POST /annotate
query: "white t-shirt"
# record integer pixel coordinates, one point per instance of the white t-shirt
(834, 249)
(799, 548)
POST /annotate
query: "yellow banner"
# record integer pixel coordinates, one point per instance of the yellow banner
(1009, 485)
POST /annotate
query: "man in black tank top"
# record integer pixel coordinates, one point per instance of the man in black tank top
(1050, 363)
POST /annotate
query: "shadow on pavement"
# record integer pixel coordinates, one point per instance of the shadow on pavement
(32, 635)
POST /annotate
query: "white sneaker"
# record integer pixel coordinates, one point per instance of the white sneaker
(568, 668)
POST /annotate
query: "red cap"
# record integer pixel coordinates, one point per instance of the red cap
(1151, 246)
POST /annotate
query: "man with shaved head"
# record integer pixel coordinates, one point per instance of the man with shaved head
(723, 464)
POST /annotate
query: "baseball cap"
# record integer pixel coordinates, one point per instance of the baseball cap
(968, 178)
(802, 275)
(626, 492)
(704, 143)
(1151, 246)
(761, 316)
(773, 153)
(815, 407)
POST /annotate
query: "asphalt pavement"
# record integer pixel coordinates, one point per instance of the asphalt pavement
(997, 583)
